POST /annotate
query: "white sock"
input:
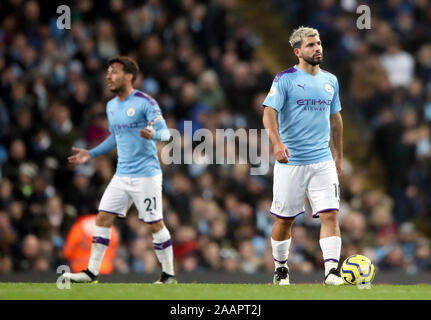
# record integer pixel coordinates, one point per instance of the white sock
(331, 248)
(280, 252)
(101, 238)
(163, 248)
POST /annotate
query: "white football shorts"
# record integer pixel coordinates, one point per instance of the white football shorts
(292, 183)
(145, 192)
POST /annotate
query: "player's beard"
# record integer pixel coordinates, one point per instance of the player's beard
(118, 90)
(313, 61)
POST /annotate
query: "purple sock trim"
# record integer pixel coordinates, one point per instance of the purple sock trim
(101, 240)
(326, 260)
(280, 261)
(163, 245)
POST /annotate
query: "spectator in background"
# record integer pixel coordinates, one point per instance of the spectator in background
(17, 156)
(189, 109)
(4, 120)
(211, 259)
(369, 85)
(240, 91)
(81, 193)
(249, 260)
(6, 193)
(106, 40)
(402, 74)
(7, 234)
(30, 255)
(97, 130)
(77, 247)
(422, 259)
(424, 62)
(185, 247)
(209, 91)
(61, 130)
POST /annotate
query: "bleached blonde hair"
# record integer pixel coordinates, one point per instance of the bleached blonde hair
(299, 34)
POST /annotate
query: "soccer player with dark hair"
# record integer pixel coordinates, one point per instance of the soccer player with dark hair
(136, 124)
(302, 113)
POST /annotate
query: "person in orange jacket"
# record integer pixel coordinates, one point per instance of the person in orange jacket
(77, 247)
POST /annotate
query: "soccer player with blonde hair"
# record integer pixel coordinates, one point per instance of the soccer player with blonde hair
(302, 117)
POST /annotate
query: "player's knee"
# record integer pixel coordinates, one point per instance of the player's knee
(156, 226)
(329, 216)
(104, 219)
(284, 222)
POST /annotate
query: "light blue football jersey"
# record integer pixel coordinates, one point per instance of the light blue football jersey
(137, 156)
(304, 104)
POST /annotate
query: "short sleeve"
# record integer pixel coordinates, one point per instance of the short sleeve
(277, 95)
(153, 111)
(108, 108)
(335, 104)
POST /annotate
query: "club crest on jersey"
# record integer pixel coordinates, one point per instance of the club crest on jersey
(278, 205)
(272, 92)
(329, 88)
(131, 112)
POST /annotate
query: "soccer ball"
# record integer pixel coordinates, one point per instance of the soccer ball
(357, 269)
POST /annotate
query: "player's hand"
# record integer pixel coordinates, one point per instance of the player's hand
(81, 156)
(339, 165)
(148, 132)
(281, 153)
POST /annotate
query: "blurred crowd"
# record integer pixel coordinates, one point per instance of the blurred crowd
(198, 61)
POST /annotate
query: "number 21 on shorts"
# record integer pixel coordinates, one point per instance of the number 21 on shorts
(337, 191)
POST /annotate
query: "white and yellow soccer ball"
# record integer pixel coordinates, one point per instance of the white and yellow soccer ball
(357, 270)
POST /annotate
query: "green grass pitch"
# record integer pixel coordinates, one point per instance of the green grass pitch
(195, 291)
